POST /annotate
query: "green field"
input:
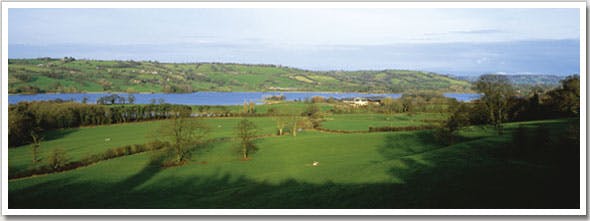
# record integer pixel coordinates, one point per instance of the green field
(371, 170)
(83, 142)
(69, 76)
(362, 122)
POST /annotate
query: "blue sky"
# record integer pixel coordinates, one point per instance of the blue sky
(452, 41)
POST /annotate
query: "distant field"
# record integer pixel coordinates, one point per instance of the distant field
(373, 170)
(362, 122)
(69, 76)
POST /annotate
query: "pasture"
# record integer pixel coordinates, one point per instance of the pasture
(82, 142)
(372, 170)
(362, 122)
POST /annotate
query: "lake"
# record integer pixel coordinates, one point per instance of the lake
(211, 98)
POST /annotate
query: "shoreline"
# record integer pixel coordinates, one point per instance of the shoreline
(323, 92)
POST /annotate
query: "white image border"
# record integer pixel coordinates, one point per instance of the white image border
(579, 5)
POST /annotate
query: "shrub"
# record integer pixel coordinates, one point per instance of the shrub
(110, 153)
(318, 99)
(57, 159)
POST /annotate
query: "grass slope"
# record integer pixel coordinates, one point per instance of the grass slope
(54, 75)
(376, 170)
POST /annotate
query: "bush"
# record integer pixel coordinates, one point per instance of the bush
(156, 145)
(318, 99)
(57, 159)
(110, 153)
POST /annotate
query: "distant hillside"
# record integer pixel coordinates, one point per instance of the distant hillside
(523, 79)
(69, 75)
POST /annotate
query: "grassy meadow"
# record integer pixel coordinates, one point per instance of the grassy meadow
(361, 122)
(371, 170)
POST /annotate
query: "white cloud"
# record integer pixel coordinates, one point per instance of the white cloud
(293, 27)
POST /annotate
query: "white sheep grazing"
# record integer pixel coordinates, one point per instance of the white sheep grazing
(107, 139)
(315, 163)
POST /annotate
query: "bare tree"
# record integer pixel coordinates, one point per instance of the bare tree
(185, 133)
(35, 146)
(251, 108)
(280, 119)
(246, 132)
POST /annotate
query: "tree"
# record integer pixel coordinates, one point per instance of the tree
(185, 133)
(130, 99)
(313, 114)
(389, 107)
(565, 100)
(246, 132)
(496, 90)
(246, 110)
(294, 121)
(282, 122)
(449, 128)
(35, 146)
(21, 123)
(251, 109)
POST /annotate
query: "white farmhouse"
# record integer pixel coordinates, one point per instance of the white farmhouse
(360, 101)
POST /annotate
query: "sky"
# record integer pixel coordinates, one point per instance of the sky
(449, 41)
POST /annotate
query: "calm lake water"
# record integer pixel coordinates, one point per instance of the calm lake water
(211, 98)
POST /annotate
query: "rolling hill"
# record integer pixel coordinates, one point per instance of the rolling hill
(69, 75)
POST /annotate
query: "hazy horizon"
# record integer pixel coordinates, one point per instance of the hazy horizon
(445, 41)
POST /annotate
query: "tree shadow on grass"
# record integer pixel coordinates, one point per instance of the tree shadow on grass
(397, 145)
(461, 176)
(488, 185)
(68, 193)
(149, 170)
(58, 133)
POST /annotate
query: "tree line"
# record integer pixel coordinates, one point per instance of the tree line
(500, 104)
(28, 119)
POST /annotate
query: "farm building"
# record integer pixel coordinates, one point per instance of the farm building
(357, 101)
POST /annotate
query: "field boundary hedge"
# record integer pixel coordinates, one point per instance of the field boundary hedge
(107, 155)
(378, 129)
(92, 159)
(407, 128)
